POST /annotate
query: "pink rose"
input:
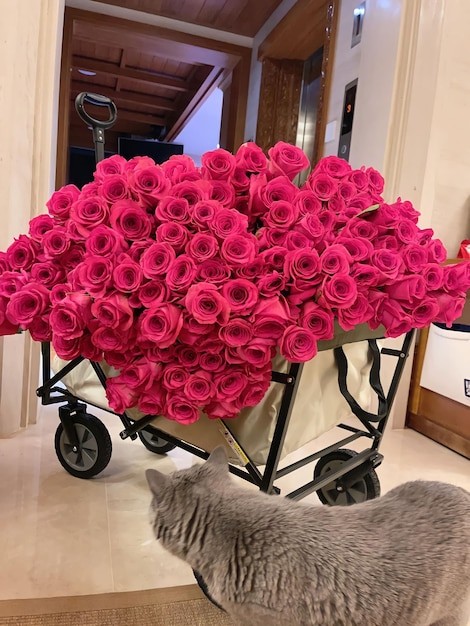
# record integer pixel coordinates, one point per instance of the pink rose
(359, 227)
(257, 353)
(414, 258)
(323, 186)
(359, 312)
(295, 240)
(271, 284)
(365, 275)
(251, 158)
(394, 318)
(333, 166)
(149, 184)
(67, 349)
(376, 181)
(140, 374)
(228, 222)
(312, 227)
(450, 308)
(252, 270)
(153, 292)
(433, 275)
(199, 388)
(406, 231)
(204, 212)
(6, 327)
(137, 248)
(110, 339)
(229, 385)
(104, 241)
(457, 277)
(181, 273)
(108, 167)
(180, 167)
(11, 282)
(193, 191)
(114, 188)
(113, 311)
(269, 328)
(359, 249)
(73, 257)
(56, 242)
(39, 329)
(254, 393)
(408, 289)
(202, 247)
(359, 179)
(21, 254)
(66, 318)
(120, 396)
(174, 234)
(204, 302)
(187, 357)
(298, 344)
(307, 202)
(317, 320)
(335, 260)
(174, 377)
(302, 265)
(240, 181)
(388, 242)
(388, 263)
(222, 410)
(408, 211)
(223, 193)
(337, 205)
(39, 226)
(339, 291)
(31, 301)
(4, 265)
(178, 408)
(282, 215)
(212, 362)
(90, 190)
(436, 251)
(237, 332)
(239, 250)
(213, 271)
(171, 209)
(61, 201)
(347, 191)
(287, 159)
(241, 295)
(271, 237)
(48, 273)
(277, 189)
(59, 292)
(88, 212)
(425, 313)
(95, 274)
(138, 162)
(161, 324)
(130, 220)
(218, 164)
(156, 260)
(152, 401)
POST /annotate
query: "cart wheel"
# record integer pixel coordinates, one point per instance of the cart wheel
(152, 442)
(94, 451)
(367, 488)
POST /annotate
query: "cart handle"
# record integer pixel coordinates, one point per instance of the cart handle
(98, 100)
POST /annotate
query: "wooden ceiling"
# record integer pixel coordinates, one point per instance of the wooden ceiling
(243, 17)
(157, 78)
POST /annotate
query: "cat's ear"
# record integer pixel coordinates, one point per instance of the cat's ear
(157, 481)
(218, 458)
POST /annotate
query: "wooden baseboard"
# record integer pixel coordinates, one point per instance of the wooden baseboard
(440, 433)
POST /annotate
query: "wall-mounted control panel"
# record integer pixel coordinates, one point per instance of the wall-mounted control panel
(347, 120)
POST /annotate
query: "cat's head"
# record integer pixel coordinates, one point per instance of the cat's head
(177, 497)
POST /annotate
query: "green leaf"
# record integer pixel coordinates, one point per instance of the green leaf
(374, 207)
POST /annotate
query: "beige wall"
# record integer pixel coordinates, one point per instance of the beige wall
(30, 43)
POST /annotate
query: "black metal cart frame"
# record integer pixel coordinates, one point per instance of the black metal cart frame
(352, 470)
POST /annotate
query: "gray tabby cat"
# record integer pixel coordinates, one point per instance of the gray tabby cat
(401, 560)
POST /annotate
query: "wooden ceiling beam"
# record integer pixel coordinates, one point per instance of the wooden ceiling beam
(124, 96)
(110, 69)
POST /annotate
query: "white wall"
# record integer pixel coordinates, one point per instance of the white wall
(373, 62)
(202, 133)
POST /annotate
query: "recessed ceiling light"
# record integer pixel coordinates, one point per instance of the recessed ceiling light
(87, 73)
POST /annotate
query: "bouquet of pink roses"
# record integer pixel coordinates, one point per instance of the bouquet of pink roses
(187, 280)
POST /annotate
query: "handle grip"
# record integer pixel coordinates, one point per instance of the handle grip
(98, 100)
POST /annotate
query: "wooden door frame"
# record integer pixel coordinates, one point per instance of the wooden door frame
(232, 59)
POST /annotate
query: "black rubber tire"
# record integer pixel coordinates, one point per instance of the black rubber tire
(95, 447)
(367, 488)
(153, 442)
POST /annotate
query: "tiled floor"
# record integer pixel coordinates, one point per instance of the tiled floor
(61, 535)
